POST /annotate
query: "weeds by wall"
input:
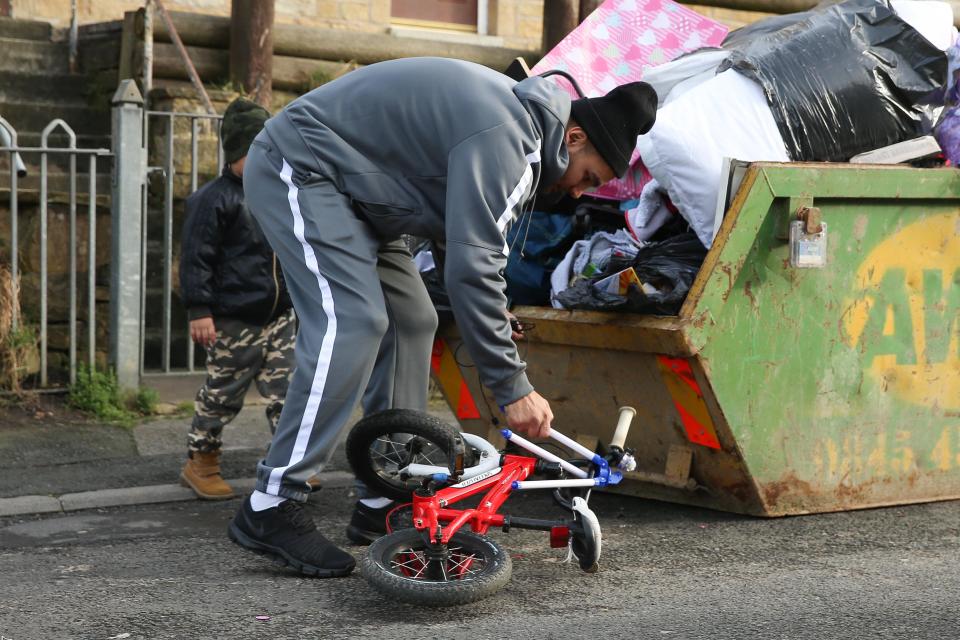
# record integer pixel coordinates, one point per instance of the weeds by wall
(18, 346)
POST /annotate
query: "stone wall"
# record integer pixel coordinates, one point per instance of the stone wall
(516, 22)
(58, 275)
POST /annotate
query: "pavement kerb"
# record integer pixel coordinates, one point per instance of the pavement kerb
(152, 494)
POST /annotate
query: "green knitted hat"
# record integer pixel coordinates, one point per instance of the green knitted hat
(242, 121)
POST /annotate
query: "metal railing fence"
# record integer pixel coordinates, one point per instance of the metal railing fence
(18, 170)
(190, 150)
(141, 253)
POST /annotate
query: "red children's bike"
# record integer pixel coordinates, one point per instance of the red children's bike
(439, 555)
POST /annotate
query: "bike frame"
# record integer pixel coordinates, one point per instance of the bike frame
(431, 508)
(429, 511)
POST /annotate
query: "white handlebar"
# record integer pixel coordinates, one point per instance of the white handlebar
(543, 453)
(571, 444)
(490, 457)
(623, 426)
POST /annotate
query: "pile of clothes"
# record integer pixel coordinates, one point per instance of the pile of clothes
(821, 85)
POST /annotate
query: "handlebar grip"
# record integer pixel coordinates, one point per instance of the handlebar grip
(623, 426)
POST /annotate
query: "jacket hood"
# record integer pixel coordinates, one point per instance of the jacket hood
(549, 108)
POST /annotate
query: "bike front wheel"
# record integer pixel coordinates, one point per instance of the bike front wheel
(404, 566)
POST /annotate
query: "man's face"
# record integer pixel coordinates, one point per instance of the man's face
(237, 166)
(587, 169)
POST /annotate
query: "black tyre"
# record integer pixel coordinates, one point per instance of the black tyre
(383, 443)
(400, 566)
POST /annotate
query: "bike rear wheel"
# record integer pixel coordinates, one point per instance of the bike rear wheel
(382, 444)
(404, 566)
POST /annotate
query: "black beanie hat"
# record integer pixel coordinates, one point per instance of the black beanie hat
(242, 121)
(613, 122)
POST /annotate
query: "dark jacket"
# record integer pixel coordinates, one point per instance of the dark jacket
(227, 268)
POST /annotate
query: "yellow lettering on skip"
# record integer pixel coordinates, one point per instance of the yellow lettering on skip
(906, 320)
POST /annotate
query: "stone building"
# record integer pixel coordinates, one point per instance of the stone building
(514, 24)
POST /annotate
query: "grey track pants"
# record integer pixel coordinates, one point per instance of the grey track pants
(366, 321)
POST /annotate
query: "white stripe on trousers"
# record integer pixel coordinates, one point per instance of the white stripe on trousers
(326, 346)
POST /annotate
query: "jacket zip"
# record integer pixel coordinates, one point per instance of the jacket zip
(276, 288)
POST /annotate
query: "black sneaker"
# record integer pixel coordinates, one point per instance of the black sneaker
(288, 536)
(367, 524)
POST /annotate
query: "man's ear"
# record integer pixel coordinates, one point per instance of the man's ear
(576, 138)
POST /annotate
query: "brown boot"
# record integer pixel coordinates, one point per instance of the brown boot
(202, 474)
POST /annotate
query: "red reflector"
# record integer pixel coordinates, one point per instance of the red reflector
(559, 537)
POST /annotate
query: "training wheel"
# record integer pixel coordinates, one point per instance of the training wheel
(585, 536)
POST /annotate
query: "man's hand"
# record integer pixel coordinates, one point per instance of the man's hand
(531, 415)
(203, 332)
(516, 329)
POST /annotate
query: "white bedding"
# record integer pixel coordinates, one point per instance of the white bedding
(724, 117)
(727, 116)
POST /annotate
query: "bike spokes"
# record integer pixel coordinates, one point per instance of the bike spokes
(410, 564)
(415, 564)
(396, 451)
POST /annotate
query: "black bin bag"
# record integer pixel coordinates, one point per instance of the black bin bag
(670, 265)
(846, 78)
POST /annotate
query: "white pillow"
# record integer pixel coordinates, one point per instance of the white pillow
(724, 117)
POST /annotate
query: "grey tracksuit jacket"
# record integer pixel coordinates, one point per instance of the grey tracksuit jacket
(447, 150)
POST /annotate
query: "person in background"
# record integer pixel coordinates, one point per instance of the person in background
(237, 304)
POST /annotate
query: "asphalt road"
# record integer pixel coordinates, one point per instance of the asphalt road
(168, 571)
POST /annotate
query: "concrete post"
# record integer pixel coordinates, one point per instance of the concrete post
(126, 277)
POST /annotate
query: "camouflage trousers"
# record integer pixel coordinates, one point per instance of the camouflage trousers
(242, 354)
